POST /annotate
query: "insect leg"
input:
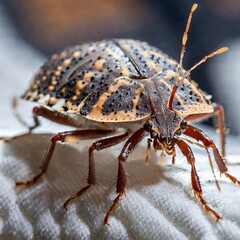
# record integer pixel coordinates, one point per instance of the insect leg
(44, 112)
(68, 136)
(174, 156)
(187, 152)
(20, 118)
(209, 160)
(149, 142)
(128, 147)
(199, 135)
(219, 114)
(98, 145)
(54, 116)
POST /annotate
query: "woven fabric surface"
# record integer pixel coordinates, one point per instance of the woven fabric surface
(159, 202)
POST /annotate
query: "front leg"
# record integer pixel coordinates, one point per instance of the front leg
(127, 149)
(199, 135)
(218, 113)
(96, 146)
(187, 152)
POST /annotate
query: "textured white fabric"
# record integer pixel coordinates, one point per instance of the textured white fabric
(159, 203)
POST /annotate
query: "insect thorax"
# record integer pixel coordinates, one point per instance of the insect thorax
(165, 122)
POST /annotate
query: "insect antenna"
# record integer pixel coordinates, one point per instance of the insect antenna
(204, 59)
(185, 38)
(184, 42)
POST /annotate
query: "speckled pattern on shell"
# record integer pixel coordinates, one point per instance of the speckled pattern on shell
(105, 81)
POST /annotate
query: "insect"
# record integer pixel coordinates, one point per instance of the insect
(103, 86)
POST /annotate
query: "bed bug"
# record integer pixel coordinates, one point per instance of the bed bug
(125, 84)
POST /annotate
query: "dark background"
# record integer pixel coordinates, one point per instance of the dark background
(51, 25)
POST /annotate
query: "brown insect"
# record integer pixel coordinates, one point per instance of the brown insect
(106, 85)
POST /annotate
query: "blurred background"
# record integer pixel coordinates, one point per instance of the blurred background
(30, 31)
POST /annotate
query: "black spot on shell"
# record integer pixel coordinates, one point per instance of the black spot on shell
(94, 97)
(120, 100)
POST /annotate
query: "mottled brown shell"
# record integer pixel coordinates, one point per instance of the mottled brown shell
(105, 81)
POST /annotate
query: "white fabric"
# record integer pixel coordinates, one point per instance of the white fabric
(159, 203)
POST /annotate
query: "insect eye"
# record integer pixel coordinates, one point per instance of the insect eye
(183, 124)
(162, 139)
(178, 132)
(153, 134)
(148, 126)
